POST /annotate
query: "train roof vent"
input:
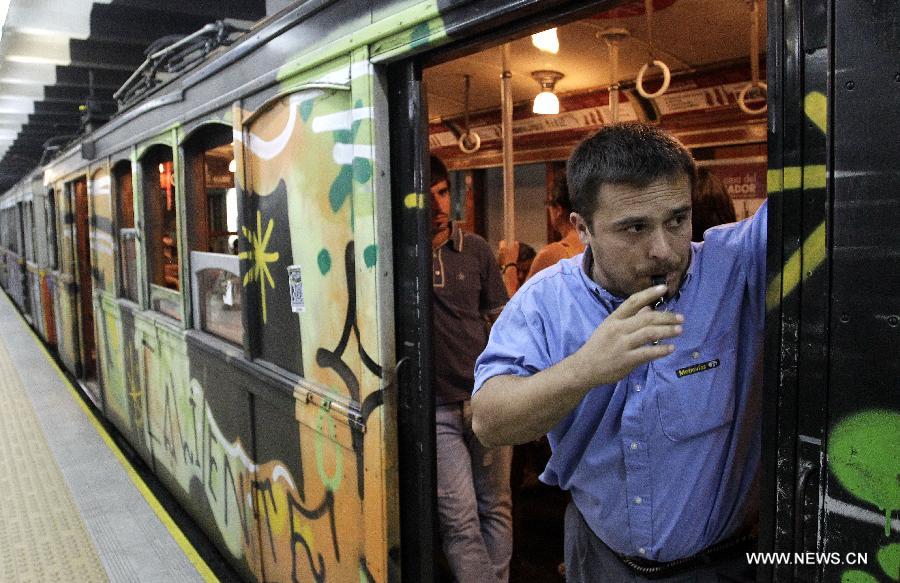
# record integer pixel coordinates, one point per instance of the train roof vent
(170, 55)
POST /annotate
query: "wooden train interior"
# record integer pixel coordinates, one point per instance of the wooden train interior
(77, 193)
(52, 262)
(25, 232)
(212, 203)
(161, 212)
(126, 236)
(707, 47)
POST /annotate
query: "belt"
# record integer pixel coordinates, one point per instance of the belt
(655, 569)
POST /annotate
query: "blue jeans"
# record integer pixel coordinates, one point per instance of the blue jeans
(474, 500)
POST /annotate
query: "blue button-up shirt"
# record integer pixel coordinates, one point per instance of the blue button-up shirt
(664, 462)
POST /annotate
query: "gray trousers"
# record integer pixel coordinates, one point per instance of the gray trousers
(588, 560)
(474, 500)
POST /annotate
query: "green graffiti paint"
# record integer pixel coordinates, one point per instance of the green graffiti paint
(324, 261)
(362, 170)
(344, 136)
(354, 127)
(420, 35)
(862, 454)
(332, 482)
(306, 109)
(341, 188)
(857, 577)
(370, 255)
(889, 559)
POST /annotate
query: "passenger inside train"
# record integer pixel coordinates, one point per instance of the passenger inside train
(701, 89)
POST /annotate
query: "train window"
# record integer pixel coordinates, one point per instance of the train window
(101, 231)
(50, 221)
(12, 227)
(4, 229)
(127, 233)
(212, 197)
(28, 231)
(213, 238)
(218, 294)
(163, 265)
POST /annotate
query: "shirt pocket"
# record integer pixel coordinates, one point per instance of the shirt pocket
(695, 390)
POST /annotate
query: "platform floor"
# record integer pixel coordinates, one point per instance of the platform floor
(71, 506)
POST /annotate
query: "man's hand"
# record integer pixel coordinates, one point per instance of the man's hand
(511, 409)
(625, 339)
(508, 258)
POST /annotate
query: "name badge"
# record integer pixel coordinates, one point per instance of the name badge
(694, 369)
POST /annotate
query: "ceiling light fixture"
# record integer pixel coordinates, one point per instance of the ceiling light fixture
(546, 41)
(546, 102)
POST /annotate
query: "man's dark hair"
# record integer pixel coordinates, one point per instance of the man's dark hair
(438, 171)
(560, 196)
(635, 154)
(526, 252)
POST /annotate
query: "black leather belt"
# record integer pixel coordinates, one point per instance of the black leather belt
(655, 569)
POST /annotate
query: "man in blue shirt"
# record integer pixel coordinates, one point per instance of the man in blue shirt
(650, 395)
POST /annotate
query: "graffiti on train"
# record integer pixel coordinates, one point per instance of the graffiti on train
(285, 526)
(326, 206)
(862, 456)
(295, 488)
(283, 487)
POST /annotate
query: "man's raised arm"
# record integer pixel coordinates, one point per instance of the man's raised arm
(512, 409)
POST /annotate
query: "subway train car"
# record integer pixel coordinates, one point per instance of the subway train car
(237, 266)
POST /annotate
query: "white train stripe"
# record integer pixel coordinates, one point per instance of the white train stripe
(269, 149)
(862, 514)
(235, 449)
(342, 120)
(345, 153)
(361, 69)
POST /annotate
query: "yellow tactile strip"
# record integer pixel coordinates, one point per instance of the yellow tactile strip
(42, 535)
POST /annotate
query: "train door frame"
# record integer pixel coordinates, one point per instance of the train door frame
(32, 311)
(473, 27)
(76, 190)
(828, 337)
(23, 259)
(52, 267)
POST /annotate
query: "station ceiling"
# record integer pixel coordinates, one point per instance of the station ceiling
(49, 49)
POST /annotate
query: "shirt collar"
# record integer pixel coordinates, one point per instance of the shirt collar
(613, 301)
(457, 236)
(455, 240)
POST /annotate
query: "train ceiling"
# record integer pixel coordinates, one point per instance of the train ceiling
(687, 35)
(48, 48)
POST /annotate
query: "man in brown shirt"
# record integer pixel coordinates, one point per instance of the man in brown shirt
(474, 500)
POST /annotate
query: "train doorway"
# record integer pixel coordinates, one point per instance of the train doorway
(704, 87)
(26, 248)
(78, 202)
